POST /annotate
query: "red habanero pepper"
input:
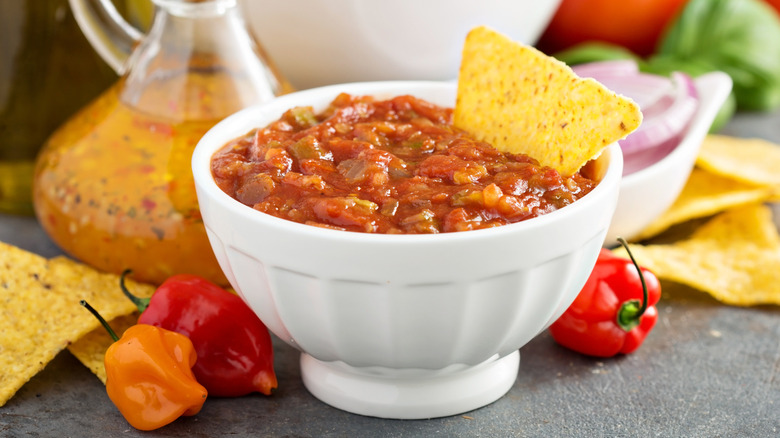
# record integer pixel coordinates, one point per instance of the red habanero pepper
(235, 353)
(615, 310)
(149, 375)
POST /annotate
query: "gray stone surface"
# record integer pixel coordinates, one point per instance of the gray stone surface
(707, 370)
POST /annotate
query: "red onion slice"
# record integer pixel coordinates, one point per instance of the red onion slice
(660, 125)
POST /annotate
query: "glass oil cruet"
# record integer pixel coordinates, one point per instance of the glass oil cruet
(113, 186)
(48, 71)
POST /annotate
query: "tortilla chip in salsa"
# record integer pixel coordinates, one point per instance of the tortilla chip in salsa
(523, 101)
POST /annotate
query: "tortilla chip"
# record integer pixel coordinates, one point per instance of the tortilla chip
(751, 161)
(99, 288)
(20, 287)
(523, 101)
(41, 314)
(90, 350)
(705, 194)
(735, 257)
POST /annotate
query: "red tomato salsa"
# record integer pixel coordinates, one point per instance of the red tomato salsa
(394, 166)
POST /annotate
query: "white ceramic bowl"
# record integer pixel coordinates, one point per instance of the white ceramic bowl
(647, 193)
(321, 42)
(401, 326)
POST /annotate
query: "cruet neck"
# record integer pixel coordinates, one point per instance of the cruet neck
(195, 8)
(198, 48)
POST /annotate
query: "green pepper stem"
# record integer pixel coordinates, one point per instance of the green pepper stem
(629, 315)
(101, 319)
(141, 303)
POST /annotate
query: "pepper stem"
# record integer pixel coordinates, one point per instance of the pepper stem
(141, 303)
(101, 319)
(631, 311)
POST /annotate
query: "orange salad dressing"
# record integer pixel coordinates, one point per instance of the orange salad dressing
(114, 188)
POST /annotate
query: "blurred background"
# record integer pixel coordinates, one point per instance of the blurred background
(48, 69)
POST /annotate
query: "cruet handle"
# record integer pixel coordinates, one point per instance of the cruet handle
(109, 33)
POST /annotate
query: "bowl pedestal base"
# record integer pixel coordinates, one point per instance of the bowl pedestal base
(409, 394)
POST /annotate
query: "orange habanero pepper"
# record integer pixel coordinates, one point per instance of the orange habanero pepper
(149, 375)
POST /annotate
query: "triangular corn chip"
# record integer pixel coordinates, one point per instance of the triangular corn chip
(41, 314)
(735, 257)
(751, 161)
(705, 194)
(523, 101)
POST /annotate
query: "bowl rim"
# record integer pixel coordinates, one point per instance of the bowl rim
(234, 126)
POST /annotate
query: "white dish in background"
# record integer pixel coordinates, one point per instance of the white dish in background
(647, 193)
(321, 42)
(402, 326)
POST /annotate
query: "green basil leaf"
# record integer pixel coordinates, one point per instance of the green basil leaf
(738, 37)
(594, 52)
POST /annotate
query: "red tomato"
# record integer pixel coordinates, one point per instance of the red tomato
(634, 24)
(775, 4)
